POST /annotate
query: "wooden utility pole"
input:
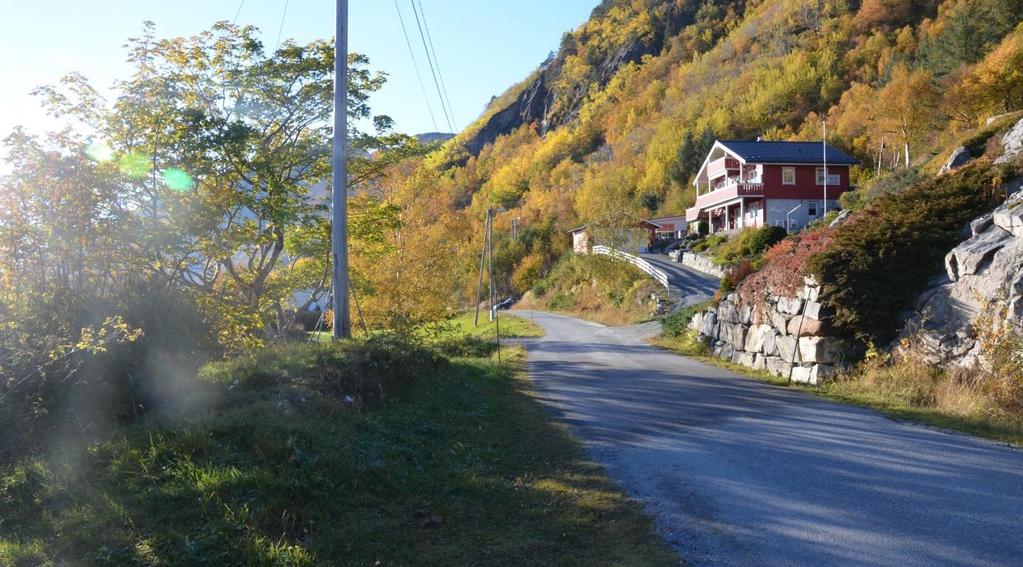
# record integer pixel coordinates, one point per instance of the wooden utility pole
(339, 178)
(483, 259)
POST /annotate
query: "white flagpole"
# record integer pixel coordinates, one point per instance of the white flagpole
(824, 145)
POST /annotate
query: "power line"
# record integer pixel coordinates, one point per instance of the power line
(436, 61)
(412, 53)
(238, 13)
(433, 71)
(280, 30)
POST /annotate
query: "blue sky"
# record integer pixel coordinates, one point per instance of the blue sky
(483, 46)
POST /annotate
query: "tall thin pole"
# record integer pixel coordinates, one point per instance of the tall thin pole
(493, 291)
(824, 143)
(483, 258)
(490, 262)
(339, 178)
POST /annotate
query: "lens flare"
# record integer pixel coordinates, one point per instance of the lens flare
(99, 152)
(177, 180)
(134, 165)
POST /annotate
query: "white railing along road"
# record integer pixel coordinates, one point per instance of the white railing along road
(658, 274)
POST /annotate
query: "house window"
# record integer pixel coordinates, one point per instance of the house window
(811, 208)
(788, 175)
(833, 178)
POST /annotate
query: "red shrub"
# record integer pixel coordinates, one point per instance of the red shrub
(783, 268)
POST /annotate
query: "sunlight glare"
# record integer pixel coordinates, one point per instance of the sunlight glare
(177, 180)
(134, 165)
(99, 152)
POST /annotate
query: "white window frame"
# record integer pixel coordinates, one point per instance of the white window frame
(833, 178)
(816, 208)
(786, 172)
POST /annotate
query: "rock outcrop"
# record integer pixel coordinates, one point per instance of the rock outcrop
(1012, 143)
(787, 336)
(984, 280)
(960, 157)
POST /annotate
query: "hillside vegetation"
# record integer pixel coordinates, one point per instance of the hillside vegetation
(623, 113)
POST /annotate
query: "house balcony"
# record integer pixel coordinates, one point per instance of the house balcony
(733, 189)
(722, 166)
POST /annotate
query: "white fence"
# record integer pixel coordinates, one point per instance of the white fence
(660, 275)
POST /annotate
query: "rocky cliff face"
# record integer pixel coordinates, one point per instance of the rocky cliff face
(984, 281)
(539, 104)
(983, 284)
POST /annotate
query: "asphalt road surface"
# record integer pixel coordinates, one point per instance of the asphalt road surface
(739, 472)
(689, 285)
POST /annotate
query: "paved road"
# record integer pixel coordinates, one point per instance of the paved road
(738, 472)
(691, 286)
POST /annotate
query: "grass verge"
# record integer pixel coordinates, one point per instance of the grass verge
(907, 391)
(462, 467)
(512, 326)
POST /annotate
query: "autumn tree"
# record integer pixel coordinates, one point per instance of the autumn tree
(906, 108)
(224, 148)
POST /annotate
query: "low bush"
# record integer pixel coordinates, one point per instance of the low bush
(882, 258)
(747, 243)
(677, 323)
(366, 372)
(100, 363)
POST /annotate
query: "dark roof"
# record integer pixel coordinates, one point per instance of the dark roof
(787, 152)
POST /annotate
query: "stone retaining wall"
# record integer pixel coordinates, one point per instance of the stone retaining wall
(787, 336)
(701, 263)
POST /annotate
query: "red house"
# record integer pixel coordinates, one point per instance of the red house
(754, 183)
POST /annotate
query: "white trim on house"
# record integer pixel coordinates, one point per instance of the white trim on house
(786, 172)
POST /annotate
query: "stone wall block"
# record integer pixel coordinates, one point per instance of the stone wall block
(790, 305)
(828, 350)
(806, 327)
(756, 336)
(779, 321)
(813, 374)
(777, 366)
(760, 362)
(771, 343)
(787, 348)
(818, 311)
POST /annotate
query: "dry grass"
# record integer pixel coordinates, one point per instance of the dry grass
(986, 403)
(589, 303)
(974, 401)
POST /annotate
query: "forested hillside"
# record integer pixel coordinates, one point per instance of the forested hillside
(621, 116)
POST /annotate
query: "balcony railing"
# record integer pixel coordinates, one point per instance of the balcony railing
(728, 191)
(721, 165)
(746, 188)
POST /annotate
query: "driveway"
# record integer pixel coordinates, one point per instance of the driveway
(690, 286)
(739, 472)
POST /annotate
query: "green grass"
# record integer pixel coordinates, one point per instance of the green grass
(512, 326)
(899, 401)
(462, 325)
(465, 467)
